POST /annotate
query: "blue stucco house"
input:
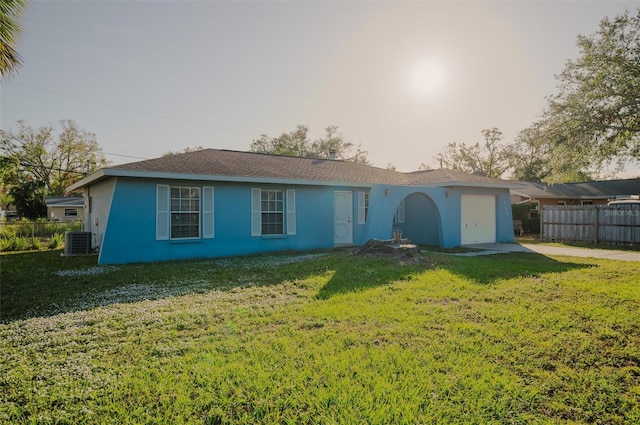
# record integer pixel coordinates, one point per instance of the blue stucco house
(215, 203)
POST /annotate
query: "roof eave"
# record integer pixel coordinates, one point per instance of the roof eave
(77, 205)
(505, 185)
(110, 172)
(533, 196)
(98, 175)
(552, 196)
(592, 196)
(207, 177)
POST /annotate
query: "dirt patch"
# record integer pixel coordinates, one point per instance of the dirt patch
(402, 249)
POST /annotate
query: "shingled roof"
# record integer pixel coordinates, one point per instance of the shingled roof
(587, 190)
(64, 201)
(215, 162)
(235, 165)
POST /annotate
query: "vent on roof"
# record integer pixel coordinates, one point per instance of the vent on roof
(77, 243)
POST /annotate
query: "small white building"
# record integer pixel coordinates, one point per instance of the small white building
(64, 208)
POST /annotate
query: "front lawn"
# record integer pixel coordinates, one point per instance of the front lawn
(320, 338)
(532, 240)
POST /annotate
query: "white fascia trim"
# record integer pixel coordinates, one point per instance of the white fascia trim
(475, 184)
(518, 193)
(106, 172)
(551, 196)
(207, 177)
(526, 201)
(87, 180)
(64, 205)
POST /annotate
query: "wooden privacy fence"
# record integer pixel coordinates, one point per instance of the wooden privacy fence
(608, 224)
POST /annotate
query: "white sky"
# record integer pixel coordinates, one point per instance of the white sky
(402, 79)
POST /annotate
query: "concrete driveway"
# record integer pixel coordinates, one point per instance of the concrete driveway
(609, 254)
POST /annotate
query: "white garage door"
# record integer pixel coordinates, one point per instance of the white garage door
(478, 219)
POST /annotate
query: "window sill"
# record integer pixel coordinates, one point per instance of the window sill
(185, 240)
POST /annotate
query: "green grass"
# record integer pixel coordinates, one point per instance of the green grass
(589, 245)
(454, 250)
(320, 338)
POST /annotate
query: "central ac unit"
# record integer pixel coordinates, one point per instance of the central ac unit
(77, 243)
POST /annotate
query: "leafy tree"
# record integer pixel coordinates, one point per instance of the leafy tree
(595, 116)
(8, 174)
(294, 143)
(28, 198)
(531, 155)
(537, 156)
(298, 143)
(10, 13)
(76, 154)
(491, 158)
(290, 144)
(185, 150)
(46, 164)
(332, 144)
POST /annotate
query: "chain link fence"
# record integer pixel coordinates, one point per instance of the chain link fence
(27, 235)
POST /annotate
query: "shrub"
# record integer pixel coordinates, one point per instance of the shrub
(521, 212)
(56, 241)
(20, 243)
(25, 235)
(7, 231)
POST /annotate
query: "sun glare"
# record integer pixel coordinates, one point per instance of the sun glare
(428, 78)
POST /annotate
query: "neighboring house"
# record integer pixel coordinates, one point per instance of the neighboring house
(65, 208)
(8, 214)
(214, 203)
(538, 195)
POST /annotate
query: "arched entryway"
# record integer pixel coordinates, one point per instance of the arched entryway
(418, 218)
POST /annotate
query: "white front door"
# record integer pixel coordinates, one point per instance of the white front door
(342, 217)
(478, 219)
